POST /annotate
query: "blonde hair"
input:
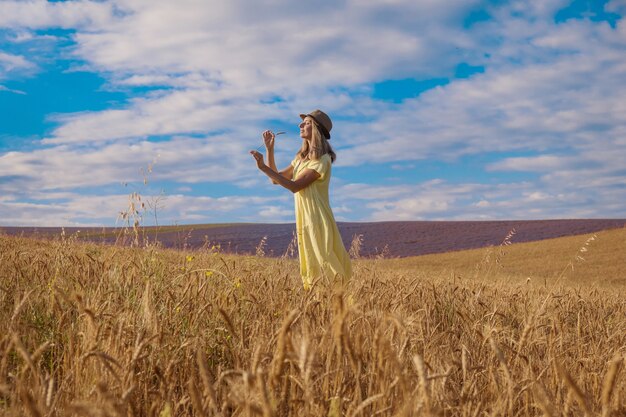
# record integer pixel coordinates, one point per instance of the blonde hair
(319, 145)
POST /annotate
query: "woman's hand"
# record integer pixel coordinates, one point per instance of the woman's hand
(268, 138)
(259, 158)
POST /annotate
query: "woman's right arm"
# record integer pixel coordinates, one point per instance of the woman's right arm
(305, 179)
(268, 138)
(286, 173)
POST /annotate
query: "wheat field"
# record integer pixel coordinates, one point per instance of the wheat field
(93, 330)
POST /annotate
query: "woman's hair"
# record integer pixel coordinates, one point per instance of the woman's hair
(319, 145)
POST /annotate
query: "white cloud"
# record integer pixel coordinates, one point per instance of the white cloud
(27, 36)
(430, 199)
(616, 6)
(10, 63)
(38, 14)
(570, 103)
(544, 163)
(276, 214)
(409, 208)
(72, 209)
(11, 90)
(509, 108)
(549, 102)
(226, 60)
(184, 207)
(187, 111)
(185, 160)
(442, 200)
(244, 44)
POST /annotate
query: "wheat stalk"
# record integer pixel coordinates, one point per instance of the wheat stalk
(610, 381)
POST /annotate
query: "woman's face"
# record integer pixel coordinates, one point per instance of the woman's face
(306, 128)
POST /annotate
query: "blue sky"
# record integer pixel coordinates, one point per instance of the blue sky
(456, 110)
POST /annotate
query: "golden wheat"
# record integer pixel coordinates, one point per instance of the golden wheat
(108, 331)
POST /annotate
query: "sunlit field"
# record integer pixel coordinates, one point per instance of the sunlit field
(515, 330)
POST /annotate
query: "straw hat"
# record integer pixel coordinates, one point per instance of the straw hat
(322, 120)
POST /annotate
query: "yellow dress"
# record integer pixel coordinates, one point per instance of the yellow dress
(320, 248)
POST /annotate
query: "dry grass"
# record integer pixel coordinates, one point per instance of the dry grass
(90, 330)
(600, 263)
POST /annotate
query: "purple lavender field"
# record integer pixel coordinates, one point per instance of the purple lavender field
(396, 239)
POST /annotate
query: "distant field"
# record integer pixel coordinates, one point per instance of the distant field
(395, 239)
(98, 330)
(598, 259)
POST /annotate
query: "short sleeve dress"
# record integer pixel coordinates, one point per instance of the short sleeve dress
(321, 250)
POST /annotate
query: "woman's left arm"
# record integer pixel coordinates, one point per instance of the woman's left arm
(305, 179)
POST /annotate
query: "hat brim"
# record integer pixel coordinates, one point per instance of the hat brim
(325, 132)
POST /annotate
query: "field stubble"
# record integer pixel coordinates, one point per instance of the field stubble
(109, 331)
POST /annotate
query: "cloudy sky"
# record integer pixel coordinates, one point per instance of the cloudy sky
(459, 109)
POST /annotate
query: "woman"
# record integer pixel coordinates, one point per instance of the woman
(320, 247)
